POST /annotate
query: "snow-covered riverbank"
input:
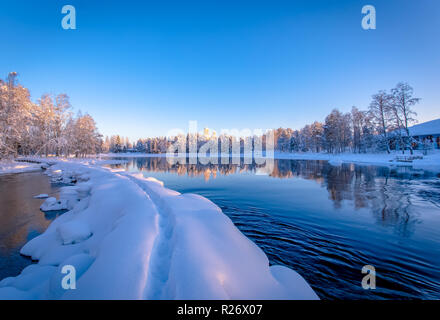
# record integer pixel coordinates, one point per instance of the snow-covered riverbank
(129, 237)
(33, 164)
(12, 166)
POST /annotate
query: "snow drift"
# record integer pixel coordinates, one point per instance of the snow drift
(129, 237)
(9, 167)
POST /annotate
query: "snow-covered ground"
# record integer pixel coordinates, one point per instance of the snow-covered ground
(129, 237)
(18, 167)
(31, 164)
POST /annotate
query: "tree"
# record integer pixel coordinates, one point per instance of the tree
(337, 131)
(403, 101)
(51, 116)
(15, 115)
(380, 111)
(46, 127)
(84, 136)
(317, 136)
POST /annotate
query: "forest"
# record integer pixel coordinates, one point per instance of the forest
(47, 127)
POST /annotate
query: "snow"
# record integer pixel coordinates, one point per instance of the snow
(52, 204)
(41, 196)
(7, 167)
(427, 128)
(431, 162)
(129, 237)
(74, 232)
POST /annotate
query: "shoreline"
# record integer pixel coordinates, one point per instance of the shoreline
(430, 162)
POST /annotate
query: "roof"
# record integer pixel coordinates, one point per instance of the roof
(425, 128)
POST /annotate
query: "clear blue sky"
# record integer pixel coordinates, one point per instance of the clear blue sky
(141, 68)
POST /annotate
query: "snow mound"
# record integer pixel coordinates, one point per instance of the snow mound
(129, 237)
(74, 232)
(52, 204)
(44, 165)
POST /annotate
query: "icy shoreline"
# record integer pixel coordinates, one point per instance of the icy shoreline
(9, 167)
(129, 237)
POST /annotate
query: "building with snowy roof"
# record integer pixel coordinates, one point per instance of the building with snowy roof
(426, 133)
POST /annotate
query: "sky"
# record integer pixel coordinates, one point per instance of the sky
(143, 68)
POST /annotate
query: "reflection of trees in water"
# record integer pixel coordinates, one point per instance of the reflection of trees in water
(208, 171)
(379, 189)
(386, 192)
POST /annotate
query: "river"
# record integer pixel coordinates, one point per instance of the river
(327, 222)
(324, 221)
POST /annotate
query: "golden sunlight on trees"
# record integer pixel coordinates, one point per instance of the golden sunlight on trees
(43, 128)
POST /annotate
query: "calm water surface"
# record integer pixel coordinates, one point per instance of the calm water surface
(20, 217)
(327, 222)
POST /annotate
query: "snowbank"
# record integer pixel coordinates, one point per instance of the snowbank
(430, 162)
(52, 204)
(129, 237)
(7, 167)
(45, 162)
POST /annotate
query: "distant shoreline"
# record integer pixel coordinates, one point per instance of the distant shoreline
(429, 162)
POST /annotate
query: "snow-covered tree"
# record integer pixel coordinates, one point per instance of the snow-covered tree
(42, 128)
(402, 104)
(15, 116)
(84, 138)
(337, 131)
(381, 113)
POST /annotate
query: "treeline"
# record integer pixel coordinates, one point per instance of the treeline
(382, 127)
(119, 144)
(47, 127)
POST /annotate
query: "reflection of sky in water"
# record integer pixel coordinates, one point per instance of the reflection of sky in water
(20, 217)
(326, 221)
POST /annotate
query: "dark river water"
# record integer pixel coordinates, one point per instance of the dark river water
(327, 222)
(20, 217)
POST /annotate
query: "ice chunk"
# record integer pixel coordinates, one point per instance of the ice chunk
(52, 204)
(42, 196)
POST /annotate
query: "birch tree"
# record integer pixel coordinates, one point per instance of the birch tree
(381, 112)
(402, 104)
